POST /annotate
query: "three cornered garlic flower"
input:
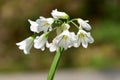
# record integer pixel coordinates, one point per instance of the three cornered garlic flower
(41, 24)
(59, 15)
(63, 27)
(40, 41)
(26, 44)
(64, 39)
(83, 24)
(84, 38)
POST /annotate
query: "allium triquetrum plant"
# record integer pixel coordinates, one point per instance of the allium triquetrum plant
(61, 23)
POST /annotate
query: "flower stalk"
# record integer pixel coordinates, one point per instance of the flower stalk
(55, 63)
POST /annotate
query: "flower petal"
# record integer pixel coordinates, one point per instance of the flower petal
(84, 43)
(84, 38)
(52, 48)
(90, 38)
(26, 45)
(84, 24)
(59, 15)
(40, 41)
(34, 26)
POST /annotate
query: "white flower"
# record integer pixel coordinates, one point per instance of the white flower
(63, 27)
(84, 24)
(84, 38)
(52, 46)
(34, 26)
(26, 45)
(42, 24)
(66, 40)
(59, 15)
(40, 41)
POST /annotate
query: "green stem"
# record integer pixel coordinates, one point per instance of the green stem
(55, 63)
(75, 19)
(72, 20)
(74, 24)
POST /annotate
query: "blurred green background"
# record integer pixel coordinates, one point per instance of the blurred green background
(104, 17)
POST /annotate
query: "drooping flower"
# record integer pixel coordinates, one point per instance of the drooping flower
(40, 41)
(26, 44)
(42, 24)
(83, 24)
(63, 27)
(66, 40)
(59, 15)
(84, 38)
(34, 26)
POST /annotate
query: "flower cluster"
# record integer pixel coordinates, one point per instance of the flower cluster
(60, 22)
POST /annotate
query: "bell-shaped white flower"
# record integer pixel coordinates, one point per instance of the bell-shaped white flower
(34, 26)
(26, 45)
(42, 24)
(83, 24)
(84, 38)
(59, 15)
(63, 27)
(66, 40)
(40, 41)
